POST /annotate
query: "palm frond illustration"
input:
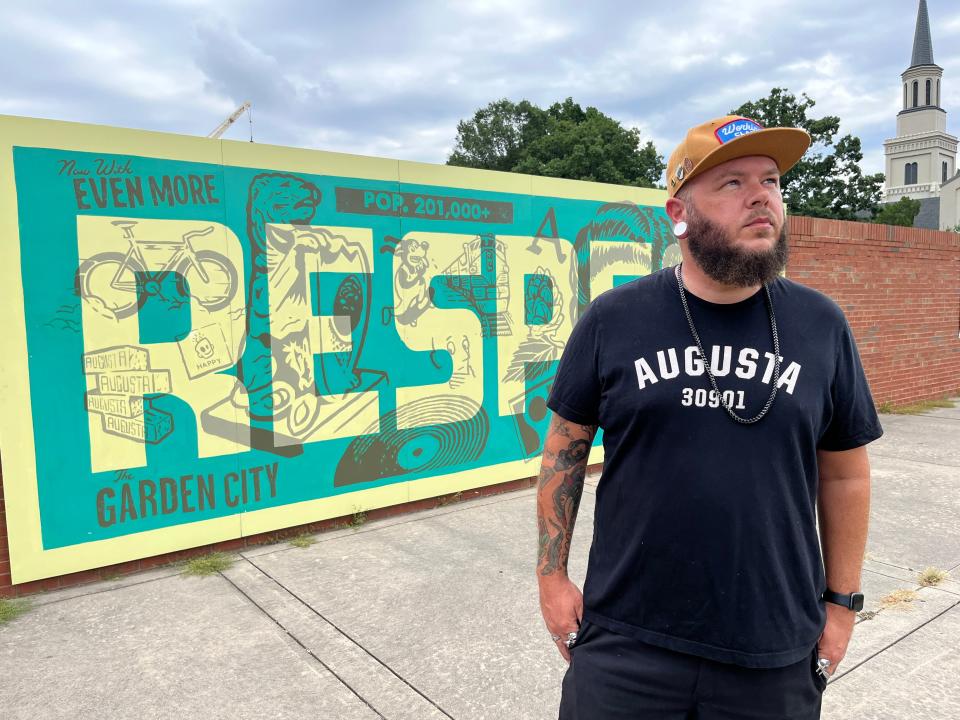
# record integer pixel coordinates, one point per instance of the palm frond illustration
(532, 359)
(604, 256)
(620, 221)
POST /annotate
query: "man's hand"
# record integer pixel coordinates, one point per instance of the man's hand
(836, 635)
(561, 604)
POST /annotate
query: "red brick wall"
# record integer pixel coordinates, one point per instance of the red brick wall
(900, 290)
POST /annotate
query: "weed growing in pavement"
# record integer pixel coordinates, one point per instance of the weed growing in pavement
(898, 599)
(447, 499)
(932, 576)
(12, 609)
(358, 518)
(303, 540)
(209, 564)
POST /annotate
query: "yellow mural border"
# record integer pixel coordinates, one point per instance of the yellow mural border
(28, 560)
(279, 158)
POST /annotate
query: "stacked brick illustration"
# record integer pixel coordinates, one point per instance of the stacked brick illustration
(123, 378)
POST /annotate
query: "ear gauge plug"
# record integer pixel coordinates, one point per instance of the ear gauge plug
(680, 229)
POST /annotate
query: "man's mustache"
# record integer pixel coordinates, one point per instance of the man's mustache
(766, 214)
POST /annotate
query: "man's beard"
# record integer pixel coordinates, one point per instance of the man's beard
(721, 260)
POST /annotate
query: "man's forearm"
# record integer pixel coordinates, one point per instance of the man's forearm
(560, 487)
(844, 510)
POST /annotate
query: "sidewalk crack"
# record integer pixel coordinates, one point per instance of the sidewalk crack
(348, 637)
(304, 647)
(895, 642)
(100, 591)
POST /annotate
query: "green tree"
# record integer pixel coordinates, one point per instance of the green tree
(494, 138)
(828, 181)
(902, 212)
(563, 141)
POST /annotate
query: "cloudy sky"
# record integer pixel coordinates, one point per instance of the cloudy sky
(393, 78)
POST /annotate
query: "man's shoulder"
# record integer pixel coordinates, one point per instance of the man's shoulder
(808, 300)
(632, 294)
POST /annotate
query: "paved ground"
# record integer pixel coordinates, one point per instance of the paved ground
(435, 615)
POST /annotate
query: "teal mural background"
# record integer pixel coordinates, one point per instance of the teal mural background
(72, 501)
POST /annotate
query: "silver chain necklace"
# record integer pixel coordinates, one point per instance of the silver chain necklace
(706, 363)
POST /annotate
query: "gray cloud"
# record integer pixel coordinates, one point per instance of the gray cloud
(393, 78)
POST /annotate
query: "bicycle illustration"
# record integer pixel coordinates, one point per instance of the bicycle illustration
(121, 283)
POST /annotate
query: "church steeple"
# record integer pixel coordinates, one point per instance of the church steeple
(922, 158)
(921, 81)
(922, 45)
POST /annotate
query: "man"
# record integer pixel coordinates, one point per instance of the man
(733, 406)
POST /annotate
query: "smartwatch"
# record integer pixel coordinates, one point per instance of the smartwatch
(853, 601)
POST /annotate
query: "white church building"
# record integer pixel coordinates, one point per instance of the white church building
(921, 161)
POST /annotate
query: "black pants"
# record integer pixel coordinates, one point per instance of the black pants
(614, 677)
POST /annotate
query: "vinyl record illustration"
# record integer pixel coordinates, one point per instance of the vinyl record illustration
(457, 434)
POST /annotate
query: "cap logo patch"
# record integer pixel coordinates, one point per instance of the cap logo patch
(680, 172)
(736, 128)
(688, 164)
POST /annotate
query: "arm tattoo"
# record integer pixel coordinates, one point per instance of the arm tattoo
(557, 508)
(576, 451)
(546, 474)
(566, 498)
(550, 547)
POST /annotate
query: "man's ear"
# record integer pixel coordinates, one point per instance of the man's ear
(676, 210)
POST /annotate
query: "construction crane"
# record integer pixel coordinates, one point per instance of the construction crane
(222, 127)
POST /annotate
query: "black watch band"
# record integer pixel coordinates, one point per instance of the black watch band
(853, 601)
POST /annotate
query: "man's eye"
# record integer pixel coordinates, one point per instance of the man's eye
(733, 183)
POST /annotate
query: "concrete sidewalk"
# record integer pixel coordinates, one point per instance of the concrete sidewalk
(435, 615)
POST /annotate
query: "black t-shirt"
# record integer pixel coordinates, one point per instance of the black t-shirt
(705, 537)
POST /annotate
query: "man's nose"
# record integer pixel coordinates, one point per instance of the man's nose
(759, 197)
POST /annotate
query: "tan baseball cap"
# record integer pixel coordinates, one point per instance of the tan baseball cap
(730, 137)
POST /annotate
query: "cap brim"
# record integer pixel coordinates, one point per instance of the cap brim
(785, 146)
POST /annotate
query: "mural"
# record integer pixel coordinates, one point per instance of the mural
(212, 340)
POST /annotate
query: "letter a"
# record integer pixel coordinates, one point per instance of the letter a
(789, 377)
(644, 373)
(549, 219)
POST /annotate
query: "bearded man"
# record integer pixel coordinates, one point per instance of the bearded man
(733, 405)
